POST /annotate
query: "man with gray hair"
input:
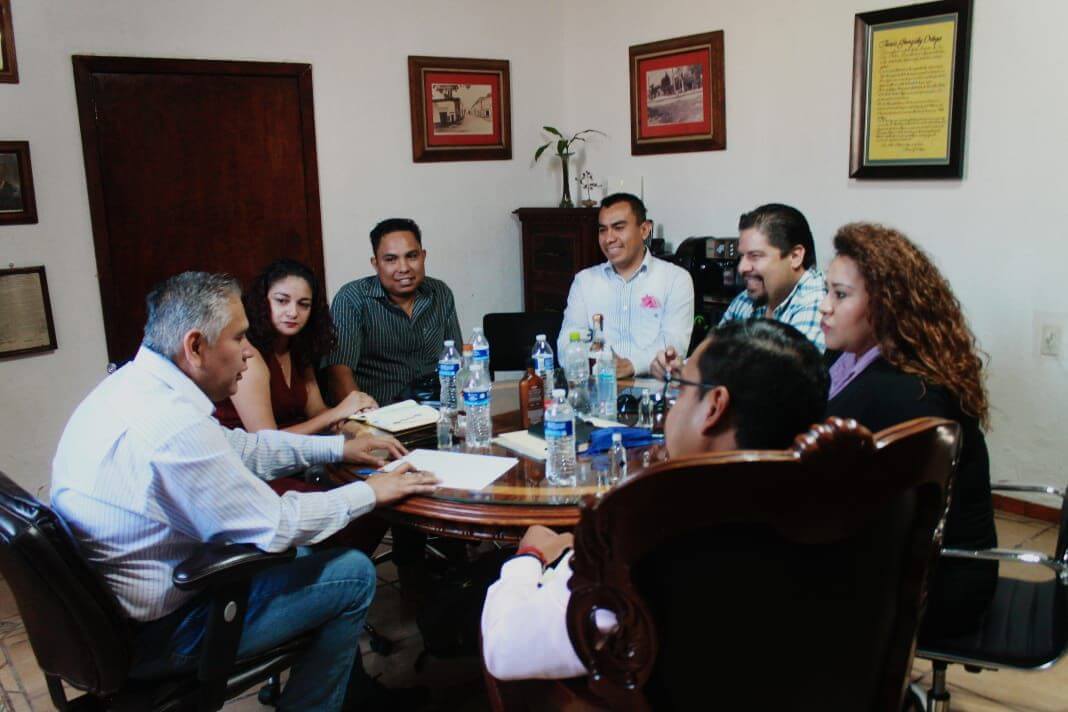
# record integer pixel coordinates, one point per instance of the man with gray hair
(143, 475)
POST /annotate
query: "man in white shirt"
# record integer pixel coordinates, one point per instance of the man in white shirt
(143, 475)
(750, 385)
(647, 303)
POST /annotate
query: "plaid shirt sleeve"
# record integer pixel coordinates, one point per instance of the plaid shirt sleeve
(804, 311)
(741, 307)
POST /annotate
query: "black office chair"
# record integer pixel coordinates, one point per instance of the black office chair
(512, 335)
(80, 635)
(1026, 627)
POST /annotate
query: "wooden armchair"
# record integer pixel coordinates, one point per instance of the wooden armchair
(762, 580)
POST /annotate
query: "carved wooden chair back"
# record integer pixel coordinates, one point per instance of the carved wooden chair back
(765, 580)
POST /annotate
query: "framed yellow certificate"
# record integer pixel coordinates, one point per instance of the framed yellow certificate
(910, 84)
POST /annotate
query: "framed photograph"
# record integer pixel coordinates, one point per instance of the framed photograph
(677, 97)
(461, 109)
(17, 203)
(9, 68)
(910, 85)
(26, 325)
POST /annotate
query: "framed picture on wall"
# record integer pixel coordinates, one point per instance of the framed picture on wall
(26, 324)
(910, 86)
(9, 69)
(677, 96)
(461, 109)
(17, 202)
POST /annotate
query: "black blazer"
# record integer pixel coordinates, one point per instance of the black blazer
(882, 396)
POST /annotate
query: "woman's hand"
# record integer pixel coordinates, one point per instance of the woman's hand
(360, 449)
(354, 402)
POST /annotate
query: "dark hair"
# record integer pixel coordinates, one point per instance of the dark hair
(393, 225)
(635, 203)
(784, 227)
(315, 340)
(917, 320)
(775, 376)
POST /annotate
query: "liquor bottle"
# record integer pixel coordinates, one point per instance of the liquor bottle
(531, 398)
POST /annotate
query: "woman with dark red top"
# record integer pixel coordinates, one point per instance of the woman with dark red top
(291, 328)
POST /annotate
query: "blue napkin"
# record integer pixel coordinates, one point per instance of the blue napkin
(601, 438)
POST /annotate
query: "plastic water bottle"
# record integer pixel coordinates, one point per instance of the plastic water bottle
(544, 364)
(477, 405)
(645, 411)
(560, 463)
(576, 363)
(445, 428)
(480, 348)
(448, 369)
(618, 460)
(577, 371)
(604, 374)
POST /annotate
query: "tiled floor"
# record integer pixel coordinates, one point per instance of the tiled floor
(456, 684)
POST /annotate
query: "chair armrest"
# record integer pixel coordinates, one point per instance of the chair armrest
(1016, 556)
(1021, 487)
(217, 563)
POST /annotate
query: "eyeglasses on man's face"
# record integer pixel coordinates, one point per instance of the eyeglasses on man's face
(673, 385)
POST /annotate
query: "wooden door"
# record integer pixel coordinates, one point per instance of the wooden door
(193, 164)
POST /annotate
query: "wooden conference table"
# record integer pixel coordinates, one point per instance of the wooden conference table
(503, 510)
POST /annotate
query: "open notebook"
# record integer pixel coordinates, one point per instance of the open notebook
(399, 417)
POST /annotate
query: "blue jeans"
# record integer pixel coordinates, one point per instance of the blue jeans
(328, 590)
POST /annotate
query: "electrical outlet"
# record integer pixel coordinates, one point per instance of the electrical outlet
(1050, 341)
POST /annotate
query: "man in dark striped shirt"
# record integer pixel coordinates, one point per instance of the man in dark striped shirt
(392, 325)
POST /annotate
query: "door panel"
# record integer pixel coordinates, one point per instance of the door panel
(194, 165)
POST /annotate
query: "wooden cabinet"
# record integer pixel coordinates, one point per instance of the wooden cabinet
(557, 243)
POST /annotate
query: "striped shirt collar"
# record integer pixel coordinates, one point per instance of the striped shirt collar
(377, 291)
(609, 269)
(166, 371)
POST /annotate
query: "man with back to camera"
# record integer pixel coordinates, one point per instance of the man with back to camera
(647, 303)
(750, 385)
(778, 266)
(143, 475)
(390, 325)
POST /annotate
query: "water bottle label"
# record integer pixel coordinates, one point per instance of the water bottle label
(476, 398)
(448, 369)
(480, 354)
(558, 429)
(543, 363)
(606, 379)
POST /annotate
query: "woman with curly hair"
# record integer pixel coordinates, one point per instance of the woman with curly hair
(907, 352)
(291, 328)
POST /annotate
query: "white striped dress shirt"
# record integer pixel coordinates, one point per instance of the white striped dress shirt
(143, 474)
(642, 315)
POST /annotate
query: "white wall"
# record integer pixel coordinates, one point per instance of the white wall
(359, 55)
(999, 234)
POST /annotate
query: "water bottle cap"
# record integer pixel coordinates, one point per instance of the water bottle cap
(477, 330)
(617, 437)
(449, 342)
(540, 337)
(574, 336)
(558, 393)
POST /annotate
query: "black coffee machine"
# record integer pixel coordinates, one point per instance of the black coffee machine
(713, 264)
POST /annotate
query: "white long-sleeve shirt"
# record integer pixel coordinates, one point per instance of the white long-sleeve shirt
(143, 474)
(642, 315)
(524, 622)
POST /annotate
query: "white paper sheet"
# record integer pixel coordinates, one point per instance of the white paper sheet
(399, 417)
(458, 470)
(524, 443)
